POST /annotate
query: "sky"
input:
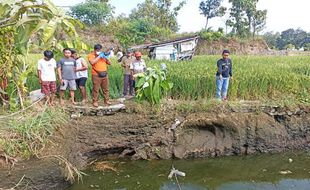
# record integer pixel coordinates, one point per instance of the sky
(282, 14)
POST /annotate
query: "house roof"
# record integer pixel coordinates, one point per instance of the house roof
(168, 42)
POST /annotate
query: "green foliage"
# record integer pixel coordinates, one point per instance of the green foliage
(7, 55)
(298, 38)
(31, 131)
(307, 47)
(271, 39)
(211, 9)
(152, 84)
(211, 35)
(304, 96)
(289, 47)
(92, 12)
(158, 13)
(25, 20)
(245, 18)
(138, 31)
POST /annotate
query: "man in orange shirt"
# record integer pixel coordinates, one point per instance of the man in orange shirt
(99, 63)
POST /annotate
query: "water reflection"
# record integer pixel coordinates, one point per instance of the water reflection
(287, 184)
(174, 186)
(262, 172)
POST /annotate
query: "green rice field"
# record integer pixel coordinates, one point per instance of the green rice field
(254, 77)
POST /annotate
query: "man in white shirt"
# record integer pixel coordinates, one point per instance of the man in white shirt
(81, 74)
(47, 76)
(137, 66)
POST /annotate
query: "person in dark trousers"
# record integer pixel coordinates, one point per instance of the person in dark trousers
(128, 82)
(81, 74)
(99, 63)
(223, 75)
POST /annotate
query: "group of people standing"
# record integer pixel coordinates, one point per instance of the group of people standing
(72, 71)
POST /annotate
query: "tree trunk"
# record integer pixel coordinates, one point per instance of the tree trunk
(207, 22)
(254, 29)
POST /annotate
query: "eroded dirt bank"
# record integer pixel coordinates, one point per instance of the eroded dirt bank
(230, 131)
(139, 134)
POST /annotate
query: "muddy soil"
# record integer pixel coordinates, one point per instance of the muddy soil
(139, 133)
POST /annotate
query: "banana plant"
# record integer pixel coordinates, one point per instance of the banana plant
(152, 85)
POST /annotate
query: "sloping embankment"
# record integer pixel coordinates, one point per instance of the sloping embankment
(226, 131)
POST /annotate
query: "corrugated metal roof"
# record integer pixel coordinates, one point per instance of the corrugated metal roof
(178, 40)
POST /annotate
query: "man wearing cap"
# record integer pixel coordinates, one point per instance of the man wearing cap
(137, 66)
(99, 63)
(128, 82)
(224, 73)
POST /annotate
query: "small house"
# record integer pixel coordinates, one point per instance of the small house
(177, 49)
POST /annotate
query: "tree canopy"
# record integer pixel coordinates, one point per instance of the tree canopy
(288, 39)
(245, 18)
(159, 13)
(211, 9)
(92, 12)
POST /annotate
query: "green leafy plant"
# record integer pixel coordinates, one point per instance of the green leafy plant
(152, 85)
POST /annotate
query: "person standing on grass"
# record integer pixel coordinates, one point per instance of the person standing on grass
(100, 79)
(67, 75)
(224, 73)
(47, 76)
(128, 82)
(137, 66)
(81, 74)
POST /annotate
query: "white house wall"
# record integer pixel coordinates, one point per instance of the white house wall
(164, 52)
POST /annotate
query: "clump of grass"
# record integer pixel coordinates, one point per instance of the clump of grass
(197, 106)
(26, 134)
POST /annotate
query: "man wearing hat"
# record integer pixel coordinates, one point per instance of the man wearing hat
(137, 66)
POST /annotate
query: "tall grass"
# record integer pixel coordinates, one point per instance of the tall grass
(254, 78)
(27, 133)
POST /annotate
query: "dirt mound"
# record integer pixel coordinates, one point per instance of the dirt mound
(245, 47)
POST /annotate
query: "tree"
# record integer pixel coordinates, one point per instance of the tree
(259, 21)
(245, 18)
(92, 12)
(133, 32)
(298, 38)
(158, 13)
(271, 39)
(211, 9)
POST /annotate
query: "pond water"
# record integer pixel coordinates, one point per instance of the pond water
(272, 172)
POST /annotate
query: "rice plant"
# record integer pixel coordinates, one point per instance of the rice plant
(254, 78)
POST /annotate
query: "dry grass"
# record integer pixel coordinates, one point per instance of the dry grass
(104, 165)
